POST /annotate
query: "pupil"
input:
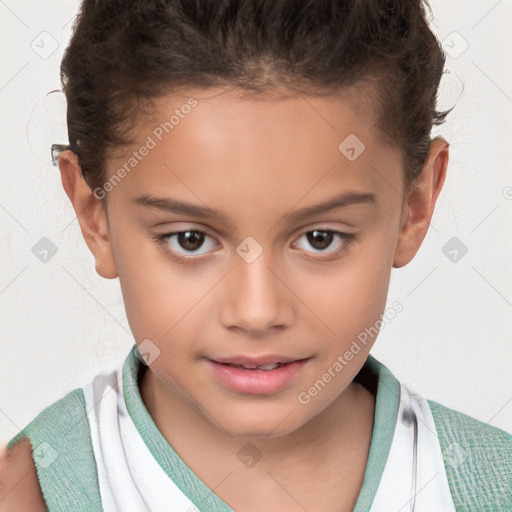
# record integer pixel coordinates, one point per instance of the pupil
(189, 239)
(323, 237)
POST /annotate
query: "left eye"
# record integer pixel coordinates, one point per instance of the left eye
(321, 239)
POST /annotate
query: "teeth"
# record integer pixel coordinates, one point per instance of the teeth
(271, 366)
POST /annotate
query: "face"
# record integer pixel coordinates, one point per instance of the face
(274, 276)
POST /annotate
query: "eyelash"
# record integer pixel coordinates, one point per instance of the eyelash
(162, 240)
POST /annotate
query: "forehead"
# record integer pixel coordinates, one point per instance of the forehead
(221, 142)
(350, 108)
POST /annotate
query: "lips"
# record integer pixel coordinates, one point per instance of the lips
(255, 362)
(256, 375)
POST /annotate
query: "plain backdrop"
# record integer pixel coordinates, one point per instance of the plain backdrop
(62, 324)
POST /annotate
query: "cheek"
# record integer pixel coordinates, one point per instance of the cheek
(350, 295)
(350, 303)
(160, 300)
(158, 293)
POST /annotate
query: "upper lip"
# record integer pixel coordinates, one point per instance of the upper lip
(256, 360)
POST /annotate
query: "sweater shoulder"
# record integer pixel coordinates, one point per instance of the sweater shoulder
(63, 455)
(477, 458)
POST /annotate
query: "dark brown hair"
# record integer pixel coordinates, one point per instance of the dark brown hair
(123, 54)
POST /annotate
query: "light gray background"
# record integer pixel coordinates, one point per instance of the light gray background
(61, 323)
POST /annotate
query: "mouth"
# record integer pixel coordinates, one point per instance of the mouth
(265, 367)
(264, 376)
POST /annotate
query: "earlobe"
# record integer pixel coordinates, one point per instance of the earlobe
(420, 203)
(90, 213)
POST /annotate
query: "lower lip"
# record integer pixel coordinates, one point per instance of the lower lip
(257, 382)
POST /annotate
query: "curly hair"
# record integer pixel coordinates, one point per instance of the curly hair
(122, 55)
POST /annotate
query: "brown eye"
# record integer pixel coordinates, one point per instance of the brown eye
(320, 239)
(325, 242)
(190, 240)
(186, 246)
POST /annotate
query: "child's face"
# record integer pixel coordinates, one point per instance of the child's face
(256, 162)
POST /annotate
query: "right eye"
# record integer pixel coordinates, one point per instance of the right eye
(184, 245)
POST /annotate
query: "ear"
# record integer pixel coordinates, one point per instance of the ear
(90, 213)
(420, 201)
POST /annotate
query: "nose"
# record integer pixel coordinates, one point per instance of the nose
(256, 301)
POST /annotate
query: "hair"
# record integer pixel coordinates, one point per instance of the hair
(122, 55)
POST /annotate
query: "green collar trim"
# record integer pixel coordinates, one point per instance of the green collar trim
(373, 373)
(386, 413)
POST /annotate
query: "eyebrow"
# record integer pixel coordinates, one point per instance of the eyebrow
(192, 210)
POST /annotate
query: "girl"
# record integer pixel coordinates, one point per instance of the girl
(252, 171)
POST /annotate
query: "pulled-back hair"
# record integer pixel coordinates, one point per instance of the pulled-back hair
(123, 54)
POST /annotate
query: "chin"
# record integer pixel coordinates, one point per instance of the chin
(261, 422)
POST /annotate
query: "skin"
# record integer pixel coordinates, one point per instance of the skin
(256, 159)
(19, 485)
